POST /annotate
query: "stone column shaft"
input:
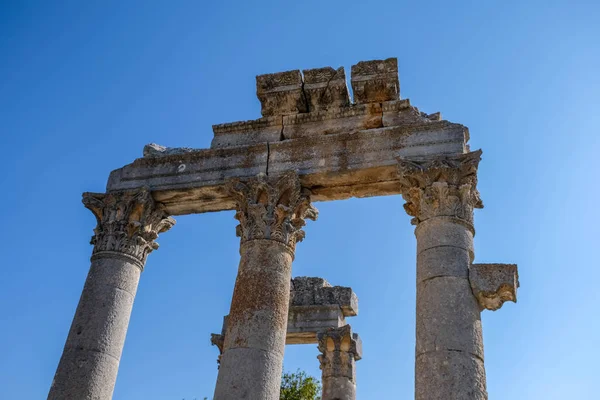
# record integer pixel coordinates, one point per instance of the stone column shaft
(271, 214)
(128, 223)
(441, 194)
(340, 349)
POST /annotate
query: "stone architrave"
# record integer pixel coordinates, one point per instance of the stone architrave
(128, 225)
(340, 349)
(441, 193)
(271, 213)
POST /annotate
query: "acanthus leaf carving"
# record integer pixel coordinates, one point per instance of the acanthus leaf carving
(440, 186)
(273, 209)
(128, 222)
(340, 349)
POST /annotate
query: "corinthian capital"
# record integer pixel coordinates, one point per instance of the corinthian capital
(340, 349)
(440, 186)
(128, 223)
(273, 209)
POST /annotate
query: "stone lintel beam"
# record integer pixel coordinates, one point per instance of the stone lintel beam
(317, 292)
(494, 284)
(332, 167)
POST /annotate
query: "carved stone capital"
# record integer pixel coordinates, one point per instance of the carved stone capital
(340, 350)
(440, 186)
(494, 284)
(128, 223)
(272, 209)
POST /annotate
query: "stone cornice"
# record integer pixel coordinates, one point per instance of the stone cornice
(271, 209)
(128, 223)
(440, 186)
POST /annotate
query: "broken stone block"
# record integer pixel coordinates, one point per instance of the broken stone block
(375, 81)
(281, 93)
(493, 284)
(244, 133)
(325, 88)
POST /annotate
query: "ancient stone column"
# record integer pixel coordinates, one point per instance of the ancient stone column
(340, 349)
(271, 214)
(128, 224)
(440, 194)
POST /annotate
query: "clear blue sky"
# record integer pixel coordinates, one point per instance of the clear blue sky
(84, 85)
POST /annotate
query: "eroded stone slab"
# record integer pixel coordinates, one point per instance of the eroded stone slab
(245, 133)
(281, 93)
(375, 81)
(325, 88)
(494, 284)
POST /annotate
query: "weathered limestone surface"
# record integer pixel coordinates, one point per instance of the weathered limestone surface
(271, 215)
(312, 143)
(340, 149)
(128, 224)
(375, 81)
(340, 349)
(315, 306)
(441, 193)
(493, 284)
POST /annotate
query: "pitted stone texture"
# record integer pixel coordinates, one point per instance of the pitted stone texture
(440, 186)
(444, 232)
(448, 317)
(325, 88)
(400, 112)
(332, 167)
(318, 292)
(128, 223)
(494, 284)
(442, 261)
(88, 367)
(245, 133)
(449, 375)
(272, 209)
(340, 349)
(281, 93)
(351, 119)
(271, 213)
(375, 81)
(252, 374)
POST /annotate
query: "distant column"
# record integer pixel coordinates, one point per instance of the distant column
(340, 349)
(271, 215)
(441, 194)
(128, 224)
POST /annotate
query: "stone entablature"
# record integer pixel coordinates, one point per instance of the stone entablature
(339, 148)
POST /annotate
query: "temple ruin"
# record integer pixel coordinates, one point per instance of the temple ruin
(313, 143)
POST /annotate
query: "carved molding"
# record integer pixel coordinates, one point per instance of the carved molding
(494, 284)
(272, 209)
(440, 186)
(128, 223)
(217, 339)
(340, 349)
